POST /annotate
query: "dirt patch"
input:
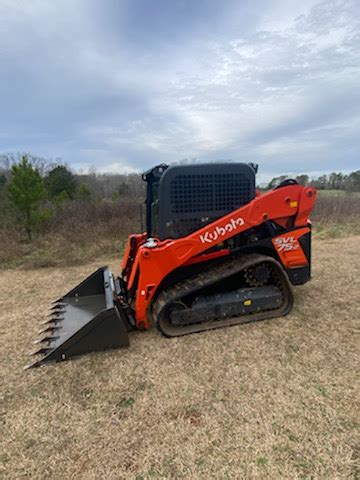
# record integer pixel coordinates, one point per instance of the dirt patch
(276, 399)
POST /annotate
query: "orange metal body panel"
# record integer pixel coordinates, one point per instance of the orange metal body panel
(289, 249)
(152, 265)
(207, 256)
(137, 239)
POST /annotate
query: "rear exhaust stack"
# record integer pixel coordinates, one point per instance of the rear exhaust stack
(86, 319)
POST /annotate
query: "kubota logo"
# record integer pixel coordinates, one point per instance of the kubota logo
(285, 244)
(218, 232)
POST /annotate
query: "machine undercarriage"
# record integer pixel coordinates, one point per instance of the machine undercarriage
(240, 290)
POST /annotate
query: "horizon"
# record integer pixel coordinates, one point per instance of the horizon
(262, 179)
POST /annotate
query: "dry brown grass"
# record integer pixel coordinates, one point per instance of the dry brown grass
(82, 231)
(277, 399)
(78, 233)
(336, 209)
(336, 216)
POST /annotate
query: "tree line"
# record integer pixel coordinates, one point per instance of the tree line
(333, 181)
(33, 190)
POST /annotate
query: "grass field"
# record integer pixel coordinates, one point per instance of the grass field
(277, 399)
(338, 193)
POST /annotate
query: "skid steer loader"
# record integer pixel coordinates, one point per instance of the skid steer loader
(216, 252)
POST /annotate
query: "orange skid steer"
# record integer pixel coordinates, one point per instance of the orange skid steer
(216, 252)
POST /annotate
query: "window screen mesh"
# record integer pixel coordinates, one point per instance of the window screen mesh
(208, 193)
(196, 199)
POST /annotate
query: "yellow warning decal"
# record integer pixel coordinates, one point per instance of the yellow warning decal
(247, 302)
(294, 204)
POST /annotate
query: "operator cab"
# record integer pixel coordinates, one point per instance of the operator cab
(184, 198)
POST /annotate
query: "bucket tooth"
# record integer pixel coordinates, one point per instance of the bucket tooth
(51, 328)
(52, 319)
(47, 321)
(32, 365)
(56, 310)
(54, 313)
(41, 351)
(58, 306)
(59, 300)
(47, 338)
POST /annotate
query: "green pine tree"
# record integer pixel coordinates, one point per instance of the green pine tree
(61, 183)
(26, 191)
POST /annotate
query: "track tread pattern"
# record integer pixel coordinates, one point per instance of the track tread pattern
(210, 276)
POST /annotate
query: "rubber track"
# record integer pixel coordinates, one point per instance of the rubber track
(208, 277)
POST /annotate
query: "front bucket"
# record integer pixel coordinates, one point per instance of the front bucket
(84, 320)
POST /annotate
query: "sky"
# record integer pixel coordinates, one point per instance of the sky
(122, 85)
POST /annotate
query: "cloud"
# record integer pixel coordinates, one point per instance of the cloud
(120, 85)
(118, 167)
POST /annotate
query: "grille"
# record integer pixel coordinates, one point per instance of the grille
(193, 196)
(204, 195)
(208, 193)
